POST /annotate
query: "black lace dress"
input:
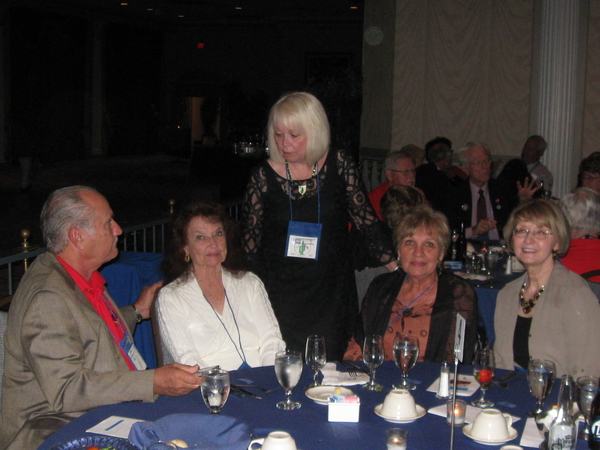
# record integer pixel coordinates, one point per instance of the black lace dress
(311, 296)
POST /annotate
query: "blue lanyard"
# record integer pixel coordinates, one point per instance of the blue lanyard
(408, 306)
(289, 190)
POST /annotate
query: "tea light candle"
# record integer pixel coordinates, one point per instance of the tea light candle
(460, 409)
(396, 439)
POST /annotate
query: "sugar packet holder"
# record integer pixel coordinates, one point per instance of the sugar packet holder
(343, 408)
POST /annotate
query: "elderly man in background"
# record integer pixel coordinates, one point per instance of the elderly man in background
(68, 347)
(533, 150)
(481, 203)
(399, 169)
(589, 171)
(582, 209)
(434, 178)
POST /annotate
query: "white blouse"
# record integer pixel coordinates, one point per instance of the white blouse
(193, 334)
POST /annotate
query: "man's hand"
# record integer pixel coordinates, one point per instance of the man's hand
(484, 226)
(527, 190)
(147, 296)
(176, 379)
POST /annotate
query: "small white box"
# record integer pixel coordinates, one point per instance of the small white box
(343, 412)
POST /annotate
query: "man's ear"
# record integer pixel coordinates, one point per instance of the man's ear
(388, 175)
(77, 237)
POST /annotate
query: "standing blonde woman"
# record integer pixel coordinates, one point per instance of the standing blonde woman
(295, 225)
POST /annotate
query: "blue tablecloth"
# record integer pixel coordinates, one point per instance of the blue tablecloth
(309, 425)
(125, 277)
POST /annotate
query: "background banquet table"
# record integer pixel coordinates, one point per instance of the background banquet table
(309, 425)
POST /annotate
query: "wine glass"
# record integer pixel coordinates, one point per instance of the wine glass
(587, 388)
(373, 356)
(484, 367)
(540, 376)
(288, 368)
(406, 353)
(316, 356)
(215, 389)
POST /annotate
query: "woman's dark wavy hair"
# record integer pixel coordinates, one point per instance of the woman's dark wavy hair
(174, 264)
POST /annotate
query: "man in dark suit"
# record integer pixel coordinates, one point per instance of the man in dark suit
(481, 203)
(433, 178)
(68, 347)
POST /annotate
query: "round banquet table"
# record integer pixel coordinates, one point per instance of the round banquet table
(309, 425)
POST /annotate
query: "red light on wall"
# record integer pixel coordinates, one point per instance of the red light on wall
(200, 44)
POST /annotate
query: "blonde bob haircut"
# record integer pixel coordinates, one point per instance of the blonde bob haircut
(544, 213)
(423, 217)
(303, 111)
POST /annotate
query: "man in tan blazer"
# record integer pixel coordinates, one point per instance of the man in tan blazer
(68, 347)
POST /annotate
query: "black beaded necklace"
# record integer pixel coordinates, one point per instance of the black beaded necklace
(528, 305)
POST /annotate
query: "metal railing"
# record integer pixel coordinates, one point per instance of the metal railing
(145, 237)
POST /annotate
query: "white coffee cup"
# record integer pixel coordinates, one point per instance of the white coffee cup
(276, 440)
(491, 425)
(399, 404)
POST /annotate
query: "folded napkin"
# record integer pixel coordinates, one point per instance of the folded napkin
(199, 431)
(531, 436)
(466, 387)
(332, 377)
(470, 413)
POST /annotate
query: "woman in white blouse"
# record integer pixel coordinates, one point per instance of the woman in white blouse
(213, 311)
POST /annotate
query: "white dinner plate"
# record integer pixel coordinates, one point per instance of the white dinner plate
(512, 434)
(420, 413)
(320, 394)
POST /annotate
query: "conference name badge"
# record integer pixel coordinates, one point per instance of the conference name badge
(303, 240)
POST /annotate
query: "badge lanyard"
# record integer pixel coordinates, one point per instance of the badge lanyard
(126, 344)
(303, 238)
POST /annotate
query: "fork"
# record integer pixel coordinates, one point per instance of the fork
(352, 372)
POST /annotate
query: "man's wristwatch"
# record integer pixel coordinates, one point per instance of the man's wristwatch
(138, 316)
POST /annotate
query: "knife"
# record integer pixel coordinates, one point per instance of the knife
(244, 391)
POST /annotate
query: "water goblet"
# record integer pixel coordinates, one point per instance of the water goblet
(540, 377)
(587, 388)
(484, 367)
(406, 353)
(215, 389)
(373, 356)
(316, 356)
(288, 368)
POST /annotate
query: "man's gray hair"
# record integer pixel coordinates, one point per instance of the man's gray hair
(394, 157)
(582, 209)
(64, 210)
(463, 153)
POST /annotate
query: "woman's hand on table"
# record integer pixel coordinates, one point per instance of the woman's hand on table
(176, 379)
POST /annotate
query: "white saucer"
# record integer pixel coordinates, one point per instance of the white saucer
(512, 435)
(420, 413)
(320, 394)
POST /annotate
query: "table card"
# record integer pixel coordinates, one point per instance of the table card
(115, 426)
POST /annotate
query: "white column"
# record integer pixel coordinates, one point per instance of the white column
(97, 78)
(557, 87)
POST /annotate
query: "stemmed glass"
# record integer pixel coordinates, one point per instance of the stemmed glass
(316, 356)
(540, 376)
(215, 389)
(406, 353)
(484, 367)
(288, 368)
(373, 356)
(587, 388)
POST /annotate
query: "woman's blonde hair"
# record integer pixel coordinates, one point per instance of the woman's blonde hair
(300, 110)
(423, 216)
(544, 213)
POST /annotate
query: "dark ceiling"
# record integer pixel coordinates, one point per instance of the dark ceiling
(189, 12)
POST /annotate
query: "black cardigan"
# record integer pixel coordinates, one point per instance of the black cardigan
(454, 295)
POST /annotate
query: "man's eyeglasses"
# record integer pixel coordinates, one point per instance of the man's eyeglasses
(405, 172)
(484, 162)
(538, 234)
